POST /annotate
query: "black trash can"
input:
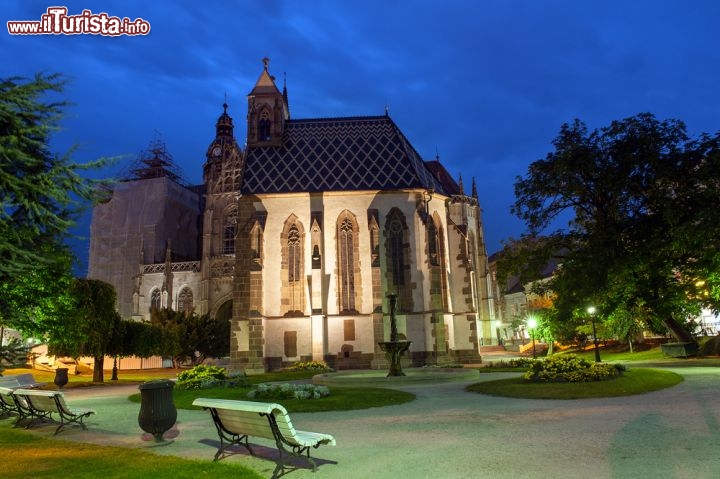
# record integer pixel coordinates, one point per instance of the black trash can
(61, 377)
(157, 409)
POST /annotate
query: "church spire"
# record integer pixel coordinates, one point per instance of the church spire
(474, 189)
(285, 95)
(460, 185)
(224, 126)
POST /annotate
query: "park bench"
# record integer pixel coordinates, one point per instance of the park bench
(7, 403)
(38, 406)
(25, 381)
(15, 405)
(237, 421)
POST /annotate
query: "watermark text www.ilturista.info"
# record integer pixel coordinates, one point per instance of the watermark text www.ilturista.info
(56, 21)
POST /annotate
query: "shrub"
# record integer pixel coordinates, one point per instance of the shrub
(203, 377)
(570, 368)
(288, 391)
(310, 366)
(445, 366)
(522, 362)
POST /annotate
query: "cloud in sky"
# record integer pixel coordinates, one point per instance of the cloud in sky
(484, 83)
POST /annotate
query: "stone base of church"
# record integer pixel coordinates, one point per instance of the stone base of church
(359, 360)
(350, 360)
(466, 356)
(243, 361)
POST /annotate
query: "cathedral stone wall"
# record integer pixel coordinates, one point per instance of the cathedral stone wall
(134, 228)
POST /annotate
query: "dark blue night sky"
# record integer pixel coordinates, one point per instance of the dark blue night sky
(484, 84)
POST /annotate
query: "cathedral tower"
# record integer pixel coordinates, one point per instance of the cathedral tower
(267, 111)
(222, 174)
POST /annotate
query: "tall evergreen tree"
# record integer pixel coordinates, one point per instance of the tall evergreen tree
(41, 194)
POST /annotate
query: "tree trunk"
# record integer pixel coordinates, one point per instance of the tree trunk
(678, 331)
(98, 369)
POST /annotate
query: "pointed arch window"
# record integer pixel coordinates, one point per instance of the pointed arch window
(229, 233)
(346, 236)
(471, 257)
(294, 255)
(264, 125)
(433, 243)
(397, 256)
(292, 292)
(396, 262)
(256, 246)
(374, 245)
(155, 299)
(185, 301)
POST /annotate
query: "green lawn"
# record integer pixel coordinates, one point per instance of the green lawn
(634, 381)
(340, 399)
(653, 354)
(30, 455)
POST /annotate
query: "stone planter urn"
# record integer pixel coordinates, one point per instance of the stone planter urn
(61, 377)
(157, 409)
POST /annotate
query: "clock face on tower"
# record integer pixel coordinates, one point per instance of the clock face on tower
(216, 151)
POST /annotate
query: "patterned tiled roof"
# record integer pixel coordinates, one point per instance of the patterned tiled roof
(443, 176)
(337, 154)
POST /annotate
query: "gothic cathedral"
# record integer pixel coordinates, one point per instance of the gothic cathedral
(297, 240)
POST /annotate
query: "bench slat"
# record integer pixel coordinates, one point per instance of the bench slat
(250, 424)
(231, 404)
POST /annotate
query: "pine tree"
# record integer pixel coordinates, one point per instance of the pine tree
(41, 193)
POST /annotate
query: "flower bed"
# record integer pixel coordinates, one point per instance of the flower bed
(310, 366)
(570, 368)
(267, 391)
(203, 377)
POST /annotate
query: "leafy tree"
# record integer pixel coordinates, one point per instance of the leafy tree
(93, 327)
(37, 301)
(214, 337)
(636, 206)
(190, 337)
(141, 339)
(173, 334)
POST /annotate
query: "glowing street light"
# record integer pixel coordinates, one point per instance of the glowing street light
(532, 324)
(591, 311)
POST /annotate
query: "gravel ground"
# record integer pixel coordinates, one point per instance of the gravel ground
(450, 433)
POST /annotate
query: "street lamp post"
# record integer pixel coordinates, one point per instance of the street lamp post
(532, 324)
(591, 311)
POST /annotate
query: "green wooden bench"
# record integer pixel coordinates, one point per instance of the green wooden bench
(38, 406)
(237, 421)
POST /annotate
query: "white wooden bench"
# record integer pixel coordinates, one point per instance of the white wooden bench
(237, 421)
(41, 405)
(15, 381)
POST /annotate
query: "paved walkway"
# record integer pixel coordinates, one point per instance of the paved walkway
(450, 433)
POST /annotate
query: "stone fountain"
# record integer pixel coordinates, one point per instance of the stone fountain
(394, 348)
